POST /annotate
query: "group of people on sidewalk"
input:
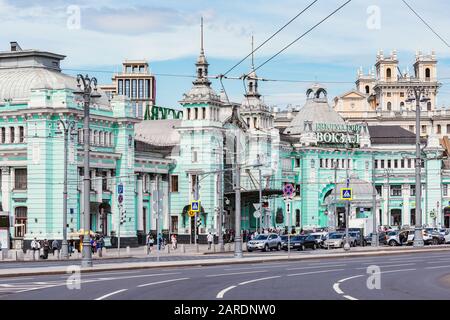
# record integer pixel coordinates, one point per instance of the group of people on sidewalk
(45, 245)
(160, 241)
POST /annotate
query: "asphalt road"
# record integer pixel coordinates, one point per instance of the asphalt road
(402, 276)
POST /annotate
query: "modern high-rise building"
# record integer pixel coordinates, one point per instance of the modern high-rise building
(136, 83)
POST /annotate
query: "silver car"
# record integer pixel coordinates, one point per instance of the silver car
(265, 242)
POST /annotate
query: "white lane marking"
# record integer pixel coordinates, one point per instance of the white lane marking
(337, 289)
(5, 285)
(437, 267)
(96, 274)
(440, 261)
(350, 297)
(159, 282)
(221, 293)
(349, 278)
(389, 265)
(327, 266)
(262, 267)
(392, 271)
(313, 272)
(110, 294)
(256, 280)
(233, 273)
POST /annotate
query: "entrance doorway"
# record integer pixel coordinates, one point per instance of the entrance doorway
(396, 217)
(447, 217)
(413, 217)
(341, 217)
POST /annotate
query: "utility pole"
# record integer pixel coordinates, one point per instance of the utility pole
(237, 189)
(195, 219)
(388, 175)
(335, 193)
(418, 93)
(88, 92)
(157, 214)
(374, 207)
(220, 222)
(260, 201)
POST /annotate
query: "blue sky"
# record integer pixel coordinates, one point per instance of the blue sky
(166, 33)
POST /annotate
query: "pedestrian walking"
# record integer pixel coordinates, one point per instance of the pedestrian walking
(210, 239)
(35, 246)
(150, 241)
(100, 244)
(160, 241)
(174, 241)
(55, 246)
(46, 247)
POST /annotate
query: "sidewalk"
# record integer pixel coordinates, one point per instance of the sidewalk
(113, 253)
(248, 258)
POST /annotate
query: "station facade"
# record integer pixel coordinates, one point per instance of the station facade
(164, 164)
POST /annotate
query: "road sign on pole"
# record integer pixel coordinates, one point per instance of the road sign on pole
(288, 190)
(195, 205)
(120, 198)
(257, 214)
(120, 188)
(347, 194)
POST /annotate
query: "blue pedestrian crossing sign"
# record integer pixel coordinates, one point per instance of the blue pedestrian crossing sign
(346, 194)
(195, 206)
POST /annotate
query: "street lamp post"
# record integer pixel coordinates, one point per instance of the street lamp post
(388, 172)
(418, 93)
(67, 127)
(88, 92)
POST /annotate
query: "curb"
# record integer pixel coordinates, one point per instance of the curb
(169, 264)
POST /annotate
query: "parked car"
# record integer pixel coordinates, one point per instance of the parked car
(381, 238)
(433, 236)
(335, 240)
(265, 242)
(359, 238)
(301, 242)
(398, 238)
(447, 235)
(320, 238)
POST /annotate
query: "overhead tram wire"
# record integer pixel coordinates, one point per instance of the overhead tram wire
(429, 27)
(304, 34)
(270, 38)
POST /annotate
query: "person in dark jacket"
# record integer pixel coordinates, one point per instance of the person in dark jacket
(46, 247)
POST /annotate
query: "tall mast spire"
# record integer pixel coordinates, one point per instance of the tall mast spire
(253, 64)
(201, 36)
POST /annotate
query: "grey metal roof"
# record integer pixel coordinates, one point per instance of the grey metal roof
(391, 135)
(17, 83)
(158, 132)
(315, 110)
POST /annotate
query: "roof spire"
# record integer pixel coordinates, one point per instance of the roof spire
(253, 64)
(201, 36)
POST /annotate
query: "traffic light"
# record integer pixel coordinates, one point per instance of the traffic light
(199, 222)
(123, 216)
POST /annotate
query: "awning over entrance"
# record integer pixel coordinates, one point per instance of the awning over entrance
(362, 193)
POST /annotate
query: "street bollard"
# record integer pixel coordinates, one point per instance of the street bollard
(100, 252)
(229, 247)
(214, 248)
(183, 248)
(128, 250)
(197, 249)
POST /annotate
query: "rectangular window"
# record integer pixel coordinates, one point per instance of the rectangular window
(141, 89)
(411, 128)
(388, 94)
(402, 94)
(448, 128)
(412, 190)
(127, 88)
(445, 190)
(120, 87)
(376, 164)
(395, 163)
(194, 155)
(396, 190)
(147, 86)
(104, 181)
(21, 134)
(424, 129)
(409, 163)
(402, 163)
(20, 225)
(3, 137)
(20, 179)
(378, 188)
(382, 164)
(11, 134)
(174, 225)
(173, 183)
(133, 88)
(297, 162)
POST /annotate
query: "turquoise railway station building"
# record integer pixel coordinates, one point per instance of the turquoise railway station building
(164, 164)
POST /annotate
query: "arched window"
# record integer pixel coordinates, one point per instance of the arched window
(250, 87)
(11, 135)
(196, 113)
(388, 73)
(189, 113)
(389, 106)
(200, 73)
(438, 129)
(21, 134)
(429, 106)
(427, 74)
(367, 89)
(203, 113)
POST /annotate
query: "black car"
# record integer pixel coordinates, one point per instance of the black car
(301, 242)
(381, 238)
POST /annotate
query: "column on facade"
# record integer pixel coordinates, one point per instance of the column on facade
(7, 135)
(98, 186)
(16, 134)
(208, 114)
(140, 203)
(406, 214)
(6, 188)
(385, 215)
